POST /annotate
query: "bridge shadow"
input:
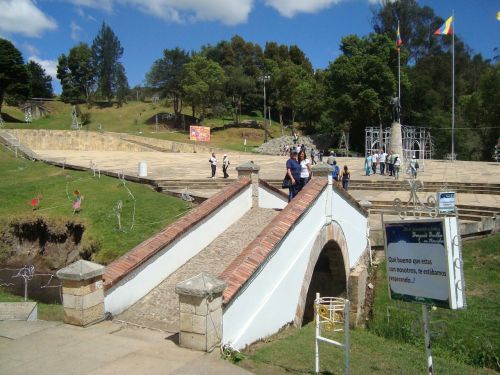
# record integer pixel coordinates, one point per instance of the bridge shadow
(328, 278)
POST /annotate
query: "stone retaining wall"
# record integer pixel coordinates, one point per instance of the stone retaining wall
(43, 139)
(73, 140)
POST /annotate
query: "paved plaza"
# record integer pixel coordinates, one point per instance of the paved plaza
(107, 348)
(186, 166)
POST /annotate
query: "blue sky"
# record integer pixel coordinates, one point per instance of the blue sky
(44, 29)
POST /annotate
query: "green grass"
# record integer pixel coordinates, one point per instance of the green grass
(471, 335)
(45, 311)
(22, 180)
(131, 117)
(293, 353)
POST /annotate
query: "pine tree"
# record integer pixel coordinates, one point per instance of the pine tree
(13, 74)
(40, 82)
(106, 53)
(122, 88)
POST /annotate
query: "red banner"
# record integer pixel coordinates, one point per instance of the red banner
(199, 133)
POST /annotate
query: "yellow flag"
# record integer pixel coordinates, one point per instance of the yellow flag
(498, 16)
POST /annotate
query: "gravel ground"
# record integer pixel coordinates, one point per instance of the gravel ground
(160, 307)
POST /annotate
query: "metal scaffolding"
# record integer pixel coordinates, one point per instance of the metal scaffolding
(416, 141)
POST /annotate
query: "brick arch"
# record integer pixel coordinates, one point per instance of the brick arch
(331, 234)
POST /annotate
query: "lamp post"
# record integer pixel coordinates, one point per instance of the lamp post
(264, 78)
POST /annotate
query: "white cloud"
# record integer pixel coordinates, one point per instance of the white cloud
(31, 49)
(84, 15)
(106, 5)
(23, 17)
(289, 8)
(229, 12)
(75, 31)
(50, 66)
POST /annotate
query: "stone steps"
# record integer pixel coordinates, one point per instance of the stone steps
(160, 308)
(459, 187)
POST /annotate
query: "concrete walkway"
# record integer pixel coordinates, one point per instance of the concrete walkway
(160, 307)
(48, 348)
(175, 166)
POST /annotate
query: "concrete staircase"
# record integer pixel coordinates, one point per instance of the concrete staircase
(429, 186)
(14, 144)
(160, 307)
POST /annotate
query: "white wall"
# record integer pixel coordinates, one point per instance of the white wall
(139, 282)
(354, 225)
(269, 300)
(271, 199)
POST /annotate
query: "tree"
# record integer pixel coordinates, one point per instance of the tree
(76, 73)
(14, 80)
(202, 84)
(106, 53)
(167, 73)
(238, 85)
(359, 85)
(122, 88)
(40, 82)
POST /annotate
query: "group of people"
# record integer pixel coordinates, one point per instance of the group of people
(299, 173)
(225, 164)
(388, 164)
(286, 150)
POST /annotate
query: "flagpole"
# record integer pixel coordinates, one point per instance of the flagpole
(399, 70)
(453, 87)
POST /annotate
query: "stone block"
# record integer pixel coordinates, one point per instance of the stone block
(186, 322)
(357, 293)
(216, 303)
(193, 341)
(80, 317)
(199, 324)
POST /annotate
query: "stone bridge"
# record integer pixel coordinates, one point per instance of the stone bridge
(270, 256)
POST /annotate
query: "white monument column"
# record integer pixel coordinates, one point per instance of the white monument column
(397, 140)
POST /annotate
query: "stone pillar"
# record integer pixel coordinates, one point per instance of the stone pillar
(251, 170)
(357, 294)
(321, 169)
(396, 140)
(83, 293)
(200, 305)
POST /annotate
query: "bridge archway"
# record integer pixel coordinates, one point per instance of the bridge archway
(327, 271)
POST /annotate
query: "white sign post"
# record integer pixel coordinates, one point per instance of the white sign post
(424, 265)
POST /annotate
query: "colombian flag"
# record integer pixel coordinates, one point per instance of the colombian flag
(399, 41)
(446, 29)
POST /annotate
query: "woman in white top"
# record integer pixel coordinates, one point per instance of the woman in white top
(305, 169)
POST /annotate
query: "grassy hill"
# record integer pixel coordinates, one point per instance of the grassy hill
(131, 118)
(23, 180)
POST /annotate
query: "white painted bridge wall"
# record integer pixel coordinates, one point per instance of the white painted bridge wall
(269, 300)
(141, 281)
(271, 199)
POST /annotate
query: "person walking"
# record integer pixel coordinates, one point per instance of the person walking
(382, 159)
(335, 172)
(390, 163)
(213, 164)
(293, 172)
(368, 164)
(374, 162)
(345, 176)
(313, 155)
(413, 167)
(305, 169)
(225, 165)
(396, 166)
